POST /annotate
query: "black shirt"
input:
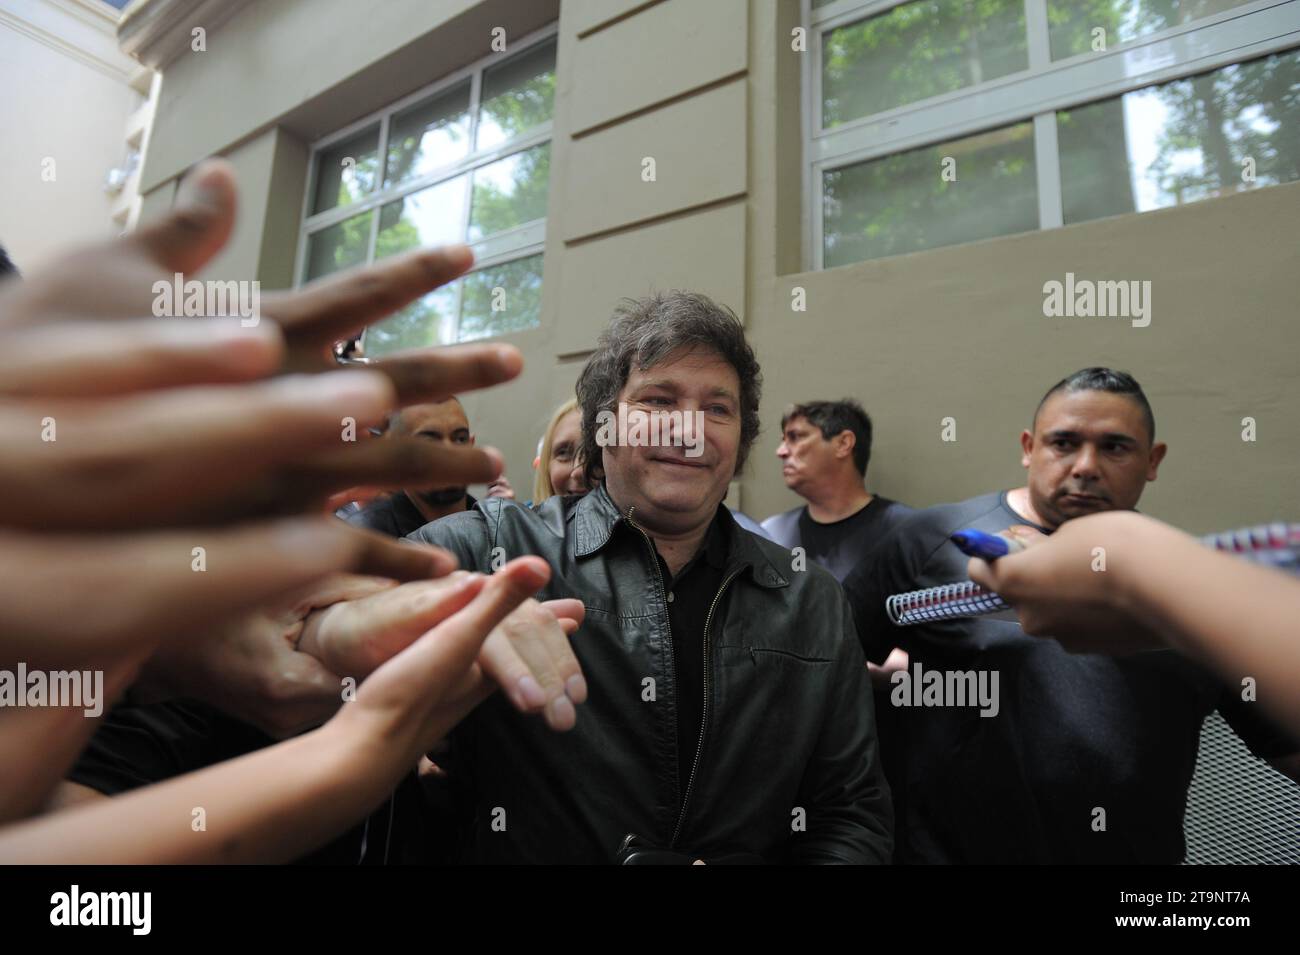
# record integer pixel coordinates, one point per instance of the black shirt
(690, 595)
(1074, 733)
(839, 546)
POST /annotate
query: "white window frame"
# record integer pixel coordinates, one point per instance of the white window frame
(1037, 93)
(522, 241)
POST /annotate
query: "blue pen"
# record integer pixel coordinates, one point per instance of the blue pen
(975, 543)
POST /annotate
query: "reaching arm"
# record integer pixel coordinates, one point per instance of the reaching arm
(279, 802)
(1159, 586)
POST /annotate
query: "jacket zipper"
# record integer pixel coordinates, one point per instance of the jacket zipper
(659, 575)
(704, 711)
(704, 715)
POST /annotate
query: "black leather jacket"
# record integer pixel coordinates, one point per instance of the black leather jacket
(788, 767)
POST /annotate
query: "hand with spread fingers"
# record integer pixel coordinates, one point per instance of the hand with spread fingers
(142, 422)
(164, 474)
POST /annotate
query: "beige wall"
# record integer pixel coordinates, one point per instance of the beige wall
(710, 92)
(65, 98)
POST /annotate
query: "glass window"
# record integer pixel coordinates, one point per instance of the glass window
(1088, 26)
(918, 50)
(429, 217)
(518, 95)
(1208, 135)
(438, 186)
(501, 298)
(346, 171)
(510, 192)
(1177, 116)
(428, 321)
(428, 136)
(340, 246)
(966, 189)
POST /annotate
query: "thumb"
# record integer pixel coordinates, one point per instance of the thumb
(200, 222)
(450, 648)
(568, 609)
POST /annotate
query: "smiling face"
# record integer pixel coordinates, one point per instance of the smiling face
(1090, 451)
(565, 467)
(673, 492)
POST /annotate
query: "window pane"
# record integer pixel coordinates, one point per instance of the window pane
(517, 96)
(1183, 141)
(347, 171)
(510, 192)
(429, 217)
(916, 51)
(340, 246)
(1072, 24)
(905, 202)
(502, 298)
(428, 321)
(428, 135)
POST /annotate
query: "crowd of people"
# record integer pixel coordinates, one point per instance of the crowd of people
(316, 645)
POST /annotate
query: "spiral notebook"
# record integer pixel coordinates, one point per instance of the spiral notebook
(1275, 545)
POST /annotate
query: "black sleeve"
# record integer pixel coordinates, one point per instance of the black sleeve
(891, 567)
(141, 744)
(1261, 735)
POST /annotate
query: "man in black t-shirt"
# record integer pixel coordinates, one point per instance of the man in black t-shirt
(825, 449)
(1077, 758)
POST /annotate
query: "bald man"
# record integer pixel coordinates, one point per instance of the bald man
(406, 511)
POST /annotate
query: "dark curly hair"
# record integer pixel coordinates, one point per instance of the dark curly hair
(646, 331)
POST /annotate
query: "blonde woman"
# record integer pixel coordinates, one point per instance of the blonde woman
(559, 467)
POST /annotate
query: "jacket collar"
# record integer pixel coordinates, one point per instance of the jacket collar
(595, 518)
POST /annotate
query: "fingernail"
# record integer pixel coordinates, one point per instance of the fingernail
(463, 580)
(560, 712)
(509, 358)
(531, 691)
(302, 536)
(459, 256)
(199, 190)
(576, 688)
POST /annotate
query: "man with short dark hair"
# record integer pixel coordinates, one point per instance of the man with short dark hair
(1070, 758)
(825, 449)
(729, 714)
(406, 511)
